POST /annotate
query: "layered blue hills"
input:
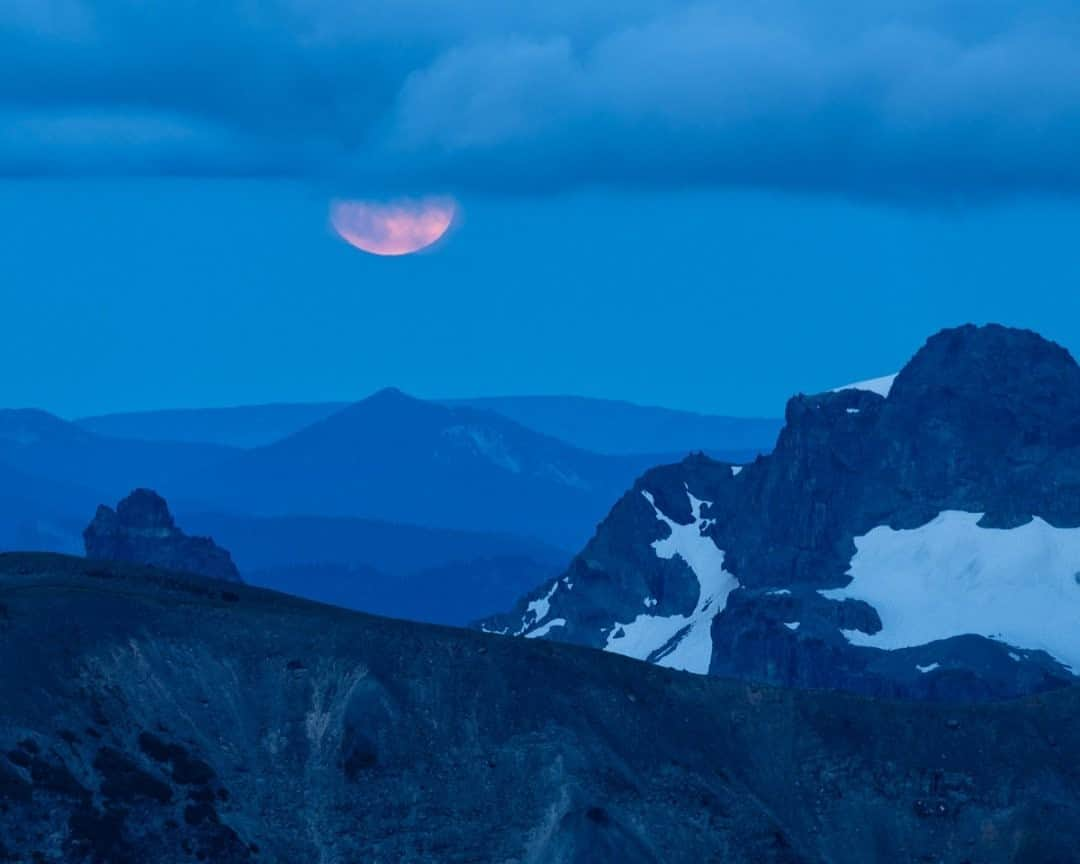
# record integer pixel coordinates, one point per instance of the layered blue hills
(442, 511)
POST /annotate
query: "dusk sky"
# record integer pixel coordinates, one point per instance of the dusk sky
(700, 205)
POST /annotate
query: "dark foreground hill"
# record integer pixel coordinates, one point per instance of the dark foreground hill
(149, 717)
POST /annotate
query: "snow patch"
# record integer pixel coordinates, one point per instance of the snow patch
(852, 410)
(1014, 656)
(538, 608)
(792, 625)
(881, 385)
(775, 592)
(546, 628)
(681, 641)
(950, 577)
(736, 470)
(925, 669)
(485, 442)
(650, 602)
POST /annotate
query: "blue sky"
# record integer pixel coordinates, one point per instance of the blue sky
(702, 205)
(156, 293)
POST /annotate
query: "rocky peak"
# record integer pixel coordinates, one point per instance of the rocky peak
(957, 489)
(141, 530)
(987, 363)
(147, 513)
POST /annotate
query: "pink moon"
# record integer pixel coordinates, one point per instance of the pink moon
(392, 228)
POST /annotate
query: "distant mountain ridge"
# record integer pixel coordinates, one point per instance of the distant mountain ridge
(242, 426)
(37, 443)
(922, 543)
(404, 571)
(400, 459)
(603, 426)
(497, 503)
(53, 474)
(616, 427)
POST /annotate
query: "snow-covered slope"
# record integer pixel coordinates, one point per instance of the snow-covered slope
(680, 641)
(951, 577)
(915, 536)
(881, 386)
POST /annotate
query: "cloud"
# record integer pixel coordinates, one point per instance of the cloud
(91, 142)
(924, 100)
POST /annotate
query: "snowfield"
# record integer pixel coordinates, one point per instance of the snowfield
(950, 577)
(680, 641)
(539, 610)
(546, 628)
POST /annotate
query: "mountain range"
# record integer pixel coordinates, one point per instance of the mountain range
(604, 426)
(433, 511)
(156, 716)
(914, 539)
(399, 459)
(916, 536)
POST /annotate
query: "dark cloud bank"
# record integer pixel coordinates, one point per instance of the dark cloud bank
(899, 100)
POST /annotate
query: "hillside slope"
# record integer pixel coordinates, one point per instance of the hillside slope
(399, 459)
(149, 717)
(614, 427)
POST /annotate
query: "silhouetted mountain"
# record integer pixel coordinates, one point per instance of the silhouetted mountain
(600, 425)
(242, 426)
(357, 563)
(149, 717)
(43, 507)
(399, 459)
(141, 530)
(922, 540)
(38, 444)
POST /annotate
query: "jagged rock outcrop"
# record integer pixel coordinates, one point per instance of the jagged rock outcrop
(919, 541)
(141, 530)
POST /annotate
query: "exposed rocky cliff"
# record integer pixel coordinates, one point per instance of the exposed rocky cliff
(149, 717)
(141, 530)
(917, 537)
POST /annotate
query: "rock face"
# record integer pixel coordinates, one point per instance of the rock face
(142, 531)
(916, 537)
(154, 718)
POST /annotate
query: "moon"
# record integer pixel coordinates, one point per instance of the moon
(395, 227)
